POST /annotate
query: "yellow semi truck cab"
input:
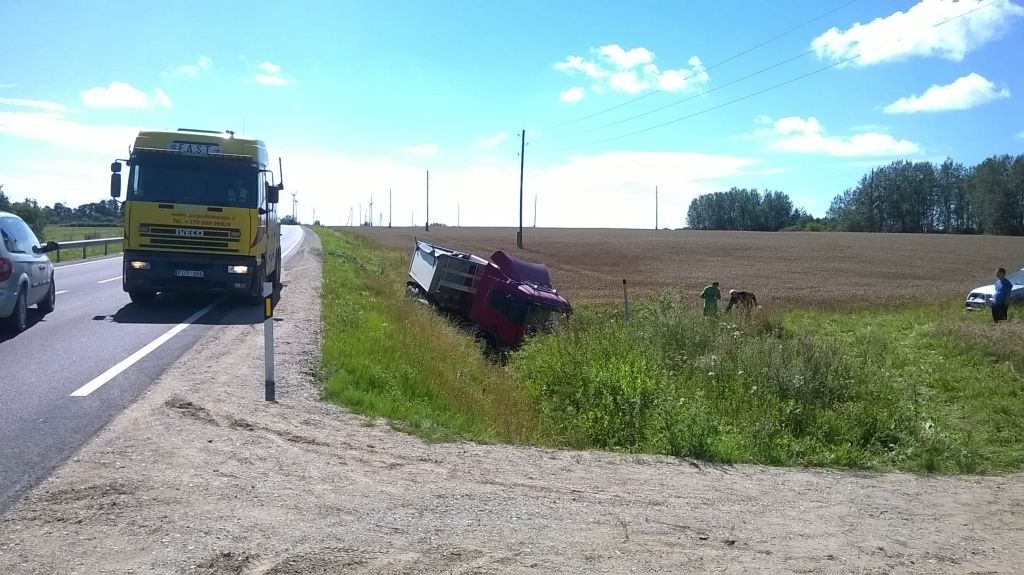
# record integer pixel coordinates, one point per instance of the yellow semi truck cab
(200, 215)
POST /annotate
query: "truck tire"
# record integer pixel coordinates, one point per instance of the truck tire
(18, 320)
(141, 296)
(275, 278)
(255, 296)
(47, 304)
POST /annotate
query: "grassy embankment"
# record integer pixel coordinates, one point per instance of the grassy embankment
(924, 389)
(70, 233)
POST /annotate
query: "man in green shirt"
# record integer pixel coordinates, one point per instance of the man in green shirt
(711, 295)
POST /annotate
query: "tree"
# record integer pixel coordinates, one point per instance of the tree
(5, 204)
(30, 211)
(289, 221)
(741, 209)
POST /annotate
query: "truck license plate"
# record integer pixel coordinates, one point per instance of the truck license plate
(188, 273)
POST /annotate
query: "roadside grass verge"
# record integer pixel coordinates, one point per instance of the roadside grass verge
(869, 389)
(387, 355)
(72, 233)
(927, 389)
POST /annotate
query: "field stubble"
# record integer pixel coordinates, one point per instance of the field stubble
(785, 270)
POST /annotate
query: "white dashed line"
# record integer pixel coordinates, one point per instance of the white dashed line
(109, 280)
(62, 267)
(135, 357)
(61, 291)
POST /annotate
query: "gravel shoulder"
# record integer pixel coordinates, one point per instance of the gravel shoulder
(202, 476)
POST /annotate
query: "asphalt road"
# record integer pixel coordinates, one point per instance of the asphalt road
(73, 370)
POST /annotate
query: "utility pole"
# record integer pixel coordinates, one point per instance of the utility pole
(371, 211)
(655, 207)
(361, 220)
(427, 226)
(348, 222)
(314, 215)
(389, 208)
(534, 210)
(295, 206)
(522, 161)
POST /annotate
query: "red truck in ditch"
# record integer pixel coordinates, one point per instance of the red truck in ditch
(505, 299)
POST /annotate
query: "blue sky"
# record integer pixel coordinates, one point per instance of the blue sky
(360, 97)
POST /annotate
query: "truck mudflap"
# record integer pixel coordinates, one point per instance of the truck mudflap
(159, 271)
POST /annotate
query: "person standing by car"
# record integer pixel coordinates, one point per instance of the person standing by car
(1001, 299)
(711, 295)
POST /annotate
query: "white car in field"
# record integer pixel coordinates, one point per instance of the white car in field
(981, 296)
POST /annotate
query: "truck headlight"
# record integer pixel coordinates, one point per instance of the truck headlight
(238, 269)
(140, 265)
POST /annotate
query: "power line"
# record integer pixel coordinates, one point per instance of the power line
(759, 92)
(727, 60)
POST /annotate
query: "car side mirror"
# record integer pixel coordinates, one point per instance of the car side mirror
(49, 247)
(273, 193)
(115, 184)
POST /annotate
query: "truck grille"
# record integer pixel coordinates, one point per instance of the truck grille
(190, 238)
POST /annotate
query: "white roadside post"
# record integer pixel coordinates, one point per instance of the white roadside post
(268, 337)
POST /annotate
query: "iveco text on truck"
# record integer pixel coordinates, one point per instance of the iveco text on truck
(200, 215)
(504, 299)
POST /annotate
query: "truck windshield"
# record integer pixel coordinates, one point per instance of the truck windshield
(189, 180)
(542, 319)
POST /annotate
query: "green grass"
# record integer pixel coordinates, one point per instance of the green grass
(931, 389)
(70, 233)
(386, 355)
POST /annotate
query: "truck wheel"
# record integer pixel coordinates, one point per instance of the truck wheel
(18, 321)
(256, 294)
(141, 296)
(47, 304)
(275, 278)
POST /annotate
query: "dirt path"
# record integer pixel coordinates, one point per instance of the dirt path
(201, 476)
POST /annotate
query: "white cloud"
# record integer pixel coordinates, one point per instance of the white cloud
(632, 71)
(121, 95)
(626, 59)
(917, 32)
(572, 95)
(269, 74)
(37, 104)
(8, 85)
(617, 188)
(192, 70)
(422, 150)
(807, 136)
(1021, 135)
(162, 98)
(964, 93)
(493, 141)
(55, 129)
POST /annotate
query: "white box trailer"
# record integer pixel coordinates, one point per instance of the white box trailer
(444, 276)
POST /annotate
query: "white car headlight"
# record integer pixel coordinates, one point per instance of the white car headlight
(238, 269)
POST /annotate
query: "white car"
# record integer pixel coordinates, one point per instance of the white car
(981, 296)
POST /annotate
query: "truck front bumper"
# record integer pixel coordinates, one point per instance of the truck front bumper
(158, 271)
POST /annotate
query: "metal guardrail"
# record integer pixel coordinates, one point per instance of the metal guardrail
(105, 242)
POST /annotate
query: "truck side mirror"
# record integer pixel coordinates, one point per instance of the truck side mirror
(116, 179)
(273, 193)
(115, 185)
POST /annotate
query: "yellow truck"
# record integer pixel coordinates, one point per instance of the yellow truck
(200, 215)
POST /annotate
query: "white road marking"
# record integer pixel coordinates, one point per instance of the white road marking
(294, 245)
(109, 280)
(61, 291)
(61, 267)
(135, 357)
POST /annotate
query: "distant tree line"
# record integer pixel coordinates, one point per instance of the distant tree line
(750, 210)
(948, 198)
(102, 213)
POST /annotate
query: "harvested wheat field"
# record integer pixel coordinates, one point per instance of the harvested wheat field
(784, 269)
